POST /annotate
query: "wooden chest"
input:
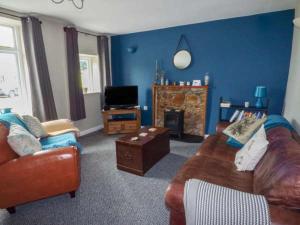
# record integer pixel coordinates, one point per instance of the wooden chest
(139, 156)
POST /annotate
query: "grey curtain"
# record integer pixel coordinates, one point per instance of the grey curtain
(43, 105)
(77, 107)
(104, 64)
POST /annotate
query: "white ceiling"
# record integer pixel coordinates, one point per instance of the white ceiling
(127, 16)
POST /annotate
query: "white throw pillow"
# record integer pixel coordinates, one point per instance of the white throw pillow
(21, 141)
(34, 125)
(247, 158)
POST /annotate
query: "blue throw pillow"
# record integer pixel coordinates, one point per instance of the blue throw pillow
(13, 118)
(277, 121)
(234, 143)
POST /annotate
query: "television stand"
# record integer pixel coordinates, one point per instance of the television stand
(119, 125)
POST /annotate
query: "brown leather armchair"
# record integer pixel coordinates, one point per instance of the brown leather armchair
(33, 177)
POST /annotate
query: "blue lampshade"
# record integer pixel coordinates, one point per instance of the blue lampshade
(260, 92)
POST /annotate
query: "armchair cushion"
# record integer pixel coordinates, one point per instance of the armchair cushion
(34, 125)
(21, 141)
(61, 126)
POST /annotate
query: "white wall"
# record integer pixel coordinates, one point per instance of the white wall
(292, 98)
(55, 46)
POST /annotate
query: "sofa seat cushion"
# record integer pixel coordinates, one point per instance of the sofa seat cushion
(215, 147)
(210, 170)
(58, 141)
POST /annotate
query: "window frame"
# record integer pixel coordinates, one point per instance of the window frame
(91, 59)
(19, 53)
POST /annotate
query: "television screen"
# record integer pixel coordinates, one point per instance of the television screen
(121, 96)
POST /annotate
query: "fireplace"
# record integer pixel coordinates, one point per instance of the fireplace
(174, 120)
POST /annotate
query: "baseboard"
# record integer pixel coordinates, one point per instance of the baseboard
(91, 130)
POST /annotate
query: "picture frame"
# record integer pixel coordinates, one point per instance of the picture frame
(196, 82)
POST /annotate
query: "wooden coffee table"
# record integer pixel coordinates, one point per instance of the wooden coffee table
(139, 156)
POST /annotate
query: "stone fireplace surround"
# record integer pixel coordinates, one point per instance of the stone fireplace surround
(191, 99)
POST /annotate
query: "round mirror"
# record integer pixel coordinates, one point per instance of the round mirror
(182, 59)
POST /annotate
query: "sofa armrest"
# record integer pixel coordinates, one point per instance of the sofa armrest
(38, 176)
(60, 126)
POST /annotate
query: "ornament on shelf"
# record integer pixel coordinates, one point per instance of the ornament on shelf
(206, 79)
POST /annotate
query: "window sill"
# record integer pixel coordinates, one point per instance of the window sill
(91, 93)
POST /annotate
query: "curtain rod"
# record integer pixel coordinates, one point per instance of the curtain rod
(20, 17)
(87, 33)
(82, 32)
(8, 14)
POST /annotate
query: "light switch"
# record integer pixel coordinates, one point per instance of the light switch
(145, 107)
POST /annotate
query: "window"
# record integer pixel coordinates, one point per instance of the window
(13, 91)
(90, 77)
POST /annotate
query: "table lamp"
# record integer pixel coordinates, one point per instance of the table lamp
(260, 93)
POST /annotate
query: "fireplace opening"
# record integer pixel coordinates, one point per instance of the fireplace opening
(174, 120)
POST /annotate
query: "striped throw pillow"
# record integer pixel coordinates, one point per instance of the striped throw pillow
(34, 125)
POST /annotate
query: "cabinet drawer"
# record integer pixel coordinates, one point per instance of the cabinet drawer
(114, 127)
(130, 126)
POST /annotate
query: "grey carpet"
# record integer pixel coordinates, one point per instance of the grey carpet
(106, 195)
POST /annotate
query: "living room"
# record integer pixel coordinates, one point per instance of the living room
(162, 112)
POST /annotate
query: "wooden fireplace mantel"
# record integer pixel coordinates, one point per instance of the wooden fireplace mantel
(191, 99)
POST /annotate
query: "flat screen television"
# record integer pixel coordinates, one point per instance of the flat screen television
(121, 96)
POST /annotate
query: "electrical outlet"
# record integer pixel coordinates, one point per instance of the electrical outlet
(145, 107)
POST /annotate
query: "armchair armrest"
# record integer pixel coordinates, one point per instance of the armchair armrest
(60, 126)
(38, 176)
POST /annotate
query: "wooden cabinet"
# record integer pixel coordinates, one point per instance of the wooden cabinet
(121, 125)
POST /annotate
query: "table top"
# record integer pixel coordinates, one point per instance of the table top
(142, 140)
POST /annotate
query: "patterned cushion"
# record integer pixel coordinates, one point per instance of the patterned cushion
(21, 141)
(247, 158)
(35, 127)
(243, 130)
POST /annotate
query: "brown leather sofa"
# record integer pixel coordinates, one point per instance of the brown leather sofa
(33, 177)
(277, 175)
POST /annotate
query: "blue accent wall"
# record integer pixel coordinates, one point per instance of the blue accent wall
(238, 54)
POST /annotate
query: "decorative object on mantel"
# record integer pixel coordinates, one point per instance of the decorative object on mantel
(191, 99)
(75, 3)
(206, 79)
(182, 58)
(260, 93)
(196, 82)
(159, 74)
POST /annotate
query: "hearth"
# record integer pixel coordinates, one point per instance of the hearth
(174, 120)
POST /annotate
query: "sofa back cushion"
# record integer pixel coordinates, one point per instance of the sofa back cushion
(277, 176)
(6, 153)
